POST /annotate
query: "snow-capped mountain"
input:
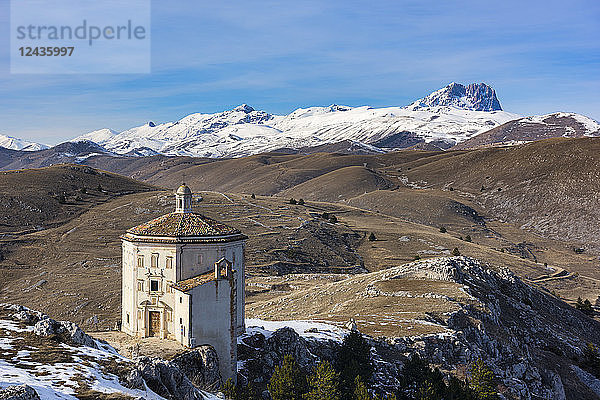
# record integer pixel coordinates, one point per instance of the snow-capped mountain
(475, 97)
(537, 127)
(12, 143)
(448, 116)
(101, 135)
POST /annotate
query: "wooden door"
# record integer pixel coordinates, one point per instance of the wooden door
(154, 328)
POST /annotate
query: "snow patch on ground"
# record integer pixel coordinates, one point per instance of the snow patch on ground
(316, 330)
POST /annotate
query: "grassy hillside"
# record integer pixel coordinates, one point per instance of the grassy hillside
(38, 198)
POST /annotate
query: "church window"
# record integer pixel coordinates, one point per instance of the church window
(169, 316)
(140, 286)
(169, 262)
(154, 285)
(127, 318)
(154, 261)
(181, 320)
(140, 261)
(181, 299)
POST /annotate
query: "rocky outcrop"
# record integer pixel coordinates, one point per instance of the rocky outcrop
(43, 325)
(163, 378)
(201, 366)
(260, 355)
(20, 392)
(527, 336)
(67, 330)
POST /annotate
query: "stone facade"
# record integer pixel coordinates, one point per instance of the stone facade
(183, 279)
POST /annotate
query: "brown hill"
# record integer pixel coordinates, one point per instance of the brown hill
(340, 185)
(427, 207)
(39, 198)
(550, 186)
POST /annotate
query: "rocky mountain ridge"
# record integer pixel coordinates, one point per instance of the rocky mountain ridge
(448, 116)
(456, 115)
(475, 97)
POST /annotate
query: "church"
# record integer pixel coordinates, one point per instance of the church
(183, 280)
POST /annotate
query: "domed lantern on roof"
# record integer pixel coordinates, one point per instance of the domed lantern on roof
(183, 199)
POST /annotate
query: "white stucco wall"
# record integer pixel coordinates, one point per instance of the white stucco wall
(214, 323)
(132, 297)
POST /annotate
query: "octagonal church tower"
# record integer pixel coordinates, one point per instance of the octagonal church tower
(183, 279)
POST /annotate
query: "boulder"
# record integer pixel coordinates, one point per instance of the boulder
(68, 331)
(286, 341)
(19, 392)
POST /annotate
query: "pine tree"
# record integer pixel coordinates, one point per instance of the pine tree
(483, 381)
(360, 390)
(458, 390)
(354, 359)
(591, 360)
(372, 237)
(323, 383)
(287, 381)
(301, 202)
(229, 390)
(293, 201)
(426, 392)
(456, 252)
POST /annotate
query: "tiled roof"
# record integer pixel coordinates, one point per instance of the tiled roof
(191, 283)
(183, 225)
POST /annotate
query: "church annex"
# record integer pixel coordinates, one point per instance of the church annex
(183, 279)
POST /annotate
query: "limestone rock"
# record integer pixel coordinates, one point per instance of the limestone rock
(20, 392)
(67, 330)
(166, 380)
(201, 366)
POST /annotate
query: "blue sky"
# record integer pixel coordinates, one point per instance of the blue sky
(540, 56)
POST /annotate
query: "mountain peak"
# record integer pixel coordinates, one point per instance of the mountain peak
(474, 97)
(244, 108)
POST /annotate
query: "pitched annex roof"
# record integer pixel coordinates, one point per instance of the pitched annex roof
(183, 225)
(189, 284)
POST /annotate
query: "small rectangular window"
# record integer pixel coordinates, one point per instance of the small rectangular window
(199, 259)
(139, 314)
(181, 320)
(140, 261)
(169, 262)
(140, 286)
(154, 286)
(127, 318)
(154, 261)
(169, 287)
(181, 299)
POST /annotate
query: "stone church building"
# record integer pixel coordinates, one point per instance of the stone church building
(183, 279)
